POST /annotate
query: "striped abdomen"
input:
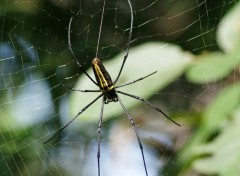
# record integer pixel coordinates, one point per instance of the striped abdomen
(102, 76)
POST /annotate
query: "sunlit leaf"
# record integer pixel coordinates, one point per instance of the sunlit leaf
(18, 6)
(223, 153)
(213, 67)
(168, 60)
(222, 106)
(229, 30)
(216, 115)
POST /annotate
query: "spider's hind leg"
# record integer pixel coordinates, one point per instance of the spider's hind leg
(135, 130)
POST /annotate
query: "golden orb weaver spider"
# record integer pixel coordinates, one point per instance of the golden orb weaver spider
(108, 88)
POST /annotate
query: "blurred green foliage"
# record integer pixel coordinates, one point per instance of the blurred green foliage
(213, 148)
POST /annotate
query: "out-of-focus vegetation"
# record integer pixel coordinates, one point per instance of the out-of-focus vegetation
(194, 46)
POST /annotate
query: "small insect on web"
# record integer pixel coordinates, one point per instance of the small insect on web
(108, 89)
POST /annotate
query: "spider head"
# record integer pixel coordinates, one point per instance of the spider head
(110, 96)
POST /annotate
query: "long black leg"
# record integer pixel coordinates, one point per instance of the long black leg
(128, 83)
(72, 89)
(135, 130)
(66, 125)
(129, 41)
(148, 103)
(70, 48)
(100, 28)
(99, 133)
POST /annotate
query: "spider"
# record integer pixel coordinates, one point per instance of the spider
(108, 89)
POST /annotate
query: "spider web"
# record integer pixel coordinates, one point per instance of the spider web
(35, 62)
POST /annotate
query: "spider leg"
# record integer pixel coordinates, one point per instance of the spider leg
(128, 83)
(70, 48)
(72, 89)
(135, 130)
(100, 28)
(66, 125)
(99, 133)
(148, 103)
(129, 41)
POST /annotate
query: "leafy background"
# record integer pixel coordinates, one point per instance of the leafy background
(194, 46)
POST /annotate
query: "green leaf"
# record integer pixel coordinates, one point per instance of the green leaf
(228, 34)
(223, 105)
(169, 60)
(223, 153)
(20, 7)
(213, 67)
(215, 116)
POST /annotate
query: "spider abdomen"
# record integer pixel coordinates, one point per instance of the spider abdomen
(103, 78)
(104, 81)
